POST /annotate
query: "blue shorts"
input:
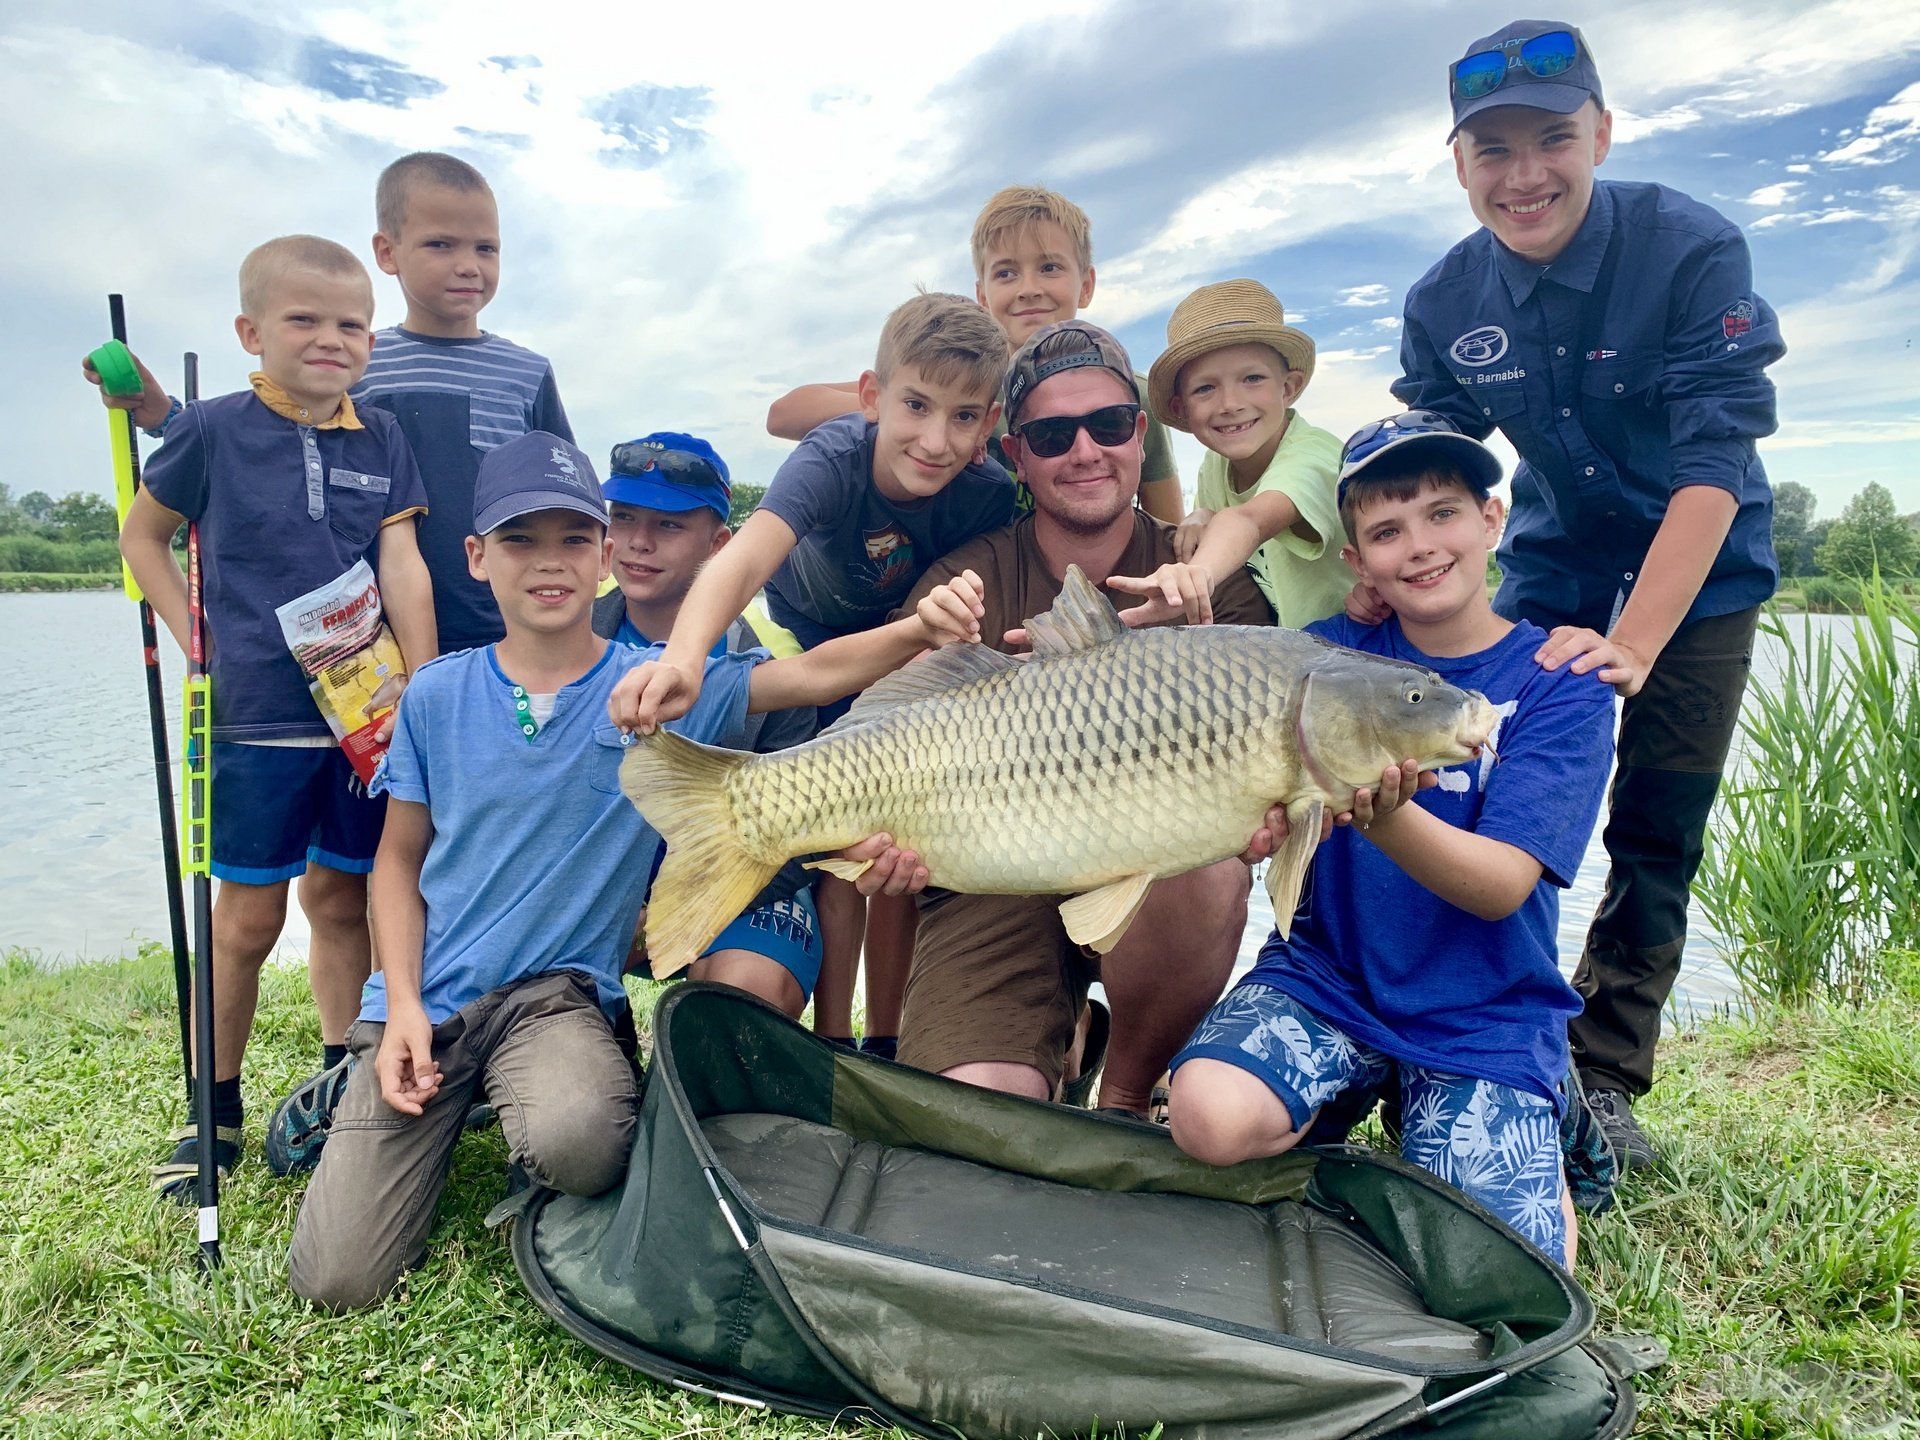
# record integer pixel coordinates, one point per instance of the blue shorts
(277, 808)
(787, 932)
(1499, 1144)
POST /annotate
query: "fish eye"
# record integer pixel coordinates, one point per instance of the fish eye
(1413, 694)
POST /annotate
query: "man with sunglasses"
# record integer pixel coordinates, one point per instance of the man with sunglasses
(996, 990)
(1610, 331)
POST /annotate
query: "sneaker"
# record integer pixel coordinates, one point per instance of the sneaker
(1585, 1152)
(297, 1133)
(1629, 1143)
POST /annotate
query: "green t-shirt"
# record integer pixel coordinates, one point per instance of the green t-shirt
(1156, 459)
(1304, 580)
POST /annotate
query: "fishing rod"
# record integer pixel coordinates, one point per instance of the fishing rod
(119, 376)
(196, 809)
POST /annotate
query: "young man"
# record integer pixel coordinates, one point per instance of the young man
(509, 878)
(290, 487)
(1032, 267)
(1428, 942)
(1611, 332)
(670, 496)
(996, 990)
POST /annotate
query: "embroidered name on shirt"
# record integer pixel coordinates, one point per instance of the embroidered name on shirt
(1493, 377)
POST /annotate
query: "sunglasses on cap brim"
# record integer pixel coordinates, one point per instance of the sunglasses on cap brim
(1544, 57)
(1380, 433)
(1053, 435)
(676, 467)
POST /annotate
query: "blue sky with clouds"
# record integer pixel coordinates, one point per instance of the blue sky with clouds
(704, 207)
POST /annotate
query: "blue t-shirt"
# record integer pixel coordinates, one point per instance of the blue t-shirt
(538, 862)
(1633, 365)
(252, 481)
(456, 400)
(1400, 969)
(859, 553)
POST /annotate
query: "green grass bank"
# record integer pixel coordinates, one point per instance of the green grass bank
(1777, 1250)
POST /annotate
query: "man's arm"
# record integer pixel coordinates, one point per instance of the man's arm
(146, 543)
(409, 1078)
(799, 411)
(1426, 381)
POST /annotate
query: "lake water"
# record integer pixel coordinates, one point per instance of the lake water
(79, 849)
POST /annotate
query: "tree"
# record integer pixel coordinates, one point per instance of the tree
(745, 498)
(81, 516)
(1816, 537)
(1870, 533)
(37, 506)
(1793, 505)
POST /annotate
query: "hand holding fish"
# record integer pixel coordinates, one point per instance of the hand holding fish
(1398, 785)
(1619, 665)
(894, 871)
(1273, 833)
(1176, 591)
(651, 694)
(1364, 605)
(950, 613)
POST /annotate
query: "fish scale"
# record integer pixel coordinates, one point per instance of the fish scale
(1108, 758)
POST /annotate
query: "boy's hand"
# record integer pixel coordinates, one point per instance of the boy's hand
(1273, 833)
(651, 694)
(1365, 607)
(149, 407)
(950, 613)
(1398, 784)
(409, 1078)
(1619, 666)
(1173, 592)
(390, 697)
(894, 871)
(1186, 535)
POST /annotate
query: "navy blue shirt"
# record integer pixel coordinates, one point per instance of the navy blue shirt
(252, 480)
(1632, 366)
(456, 400)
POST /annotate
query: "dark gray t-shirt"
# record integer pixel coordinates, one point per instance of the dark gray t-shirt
(859, 552)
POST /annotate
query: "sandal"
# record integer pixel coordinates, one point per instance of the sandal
(297, 1133)
(1159, 1101)
(1078, 1091)
(178, 1177)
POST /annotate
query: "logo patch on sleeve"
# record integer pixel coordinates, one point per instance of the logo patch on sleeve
(1738, 320)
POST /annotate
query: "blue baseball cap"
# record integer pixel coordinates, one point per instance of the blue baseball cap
(669, 471)
(534, 471)
(1418, 429)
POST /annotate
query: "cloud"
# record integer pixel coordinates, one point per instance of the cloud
(652, 120)
(261, 51)
(1386, 322)
(1773, 195)
(1889, 132)
(513, 62)
(1367, 295)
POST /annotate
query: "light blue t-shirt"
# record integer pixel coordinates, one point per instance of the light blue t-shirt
(1398, 968)
(538, 862)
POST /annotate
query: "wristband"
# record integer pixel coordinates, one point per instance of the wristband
(159, 432)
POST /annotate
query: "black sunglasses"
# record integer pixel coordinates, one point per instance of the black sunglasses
(676, 467)
(1053, 435)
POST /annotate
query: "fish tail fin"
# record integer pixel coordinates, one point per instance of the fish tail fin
(707, 876)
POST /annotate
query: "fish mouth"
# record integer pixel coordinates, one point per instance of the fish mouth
(1475, 734)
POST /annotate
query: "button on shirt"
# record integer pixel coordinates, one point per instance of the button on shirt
(1632, 366)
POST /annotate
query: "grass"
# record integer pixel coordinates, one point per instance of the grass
(23, 583)
(1777, 1251)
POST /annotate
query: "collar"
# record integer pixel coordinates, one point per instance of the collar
(287, 408)
(1577, 267)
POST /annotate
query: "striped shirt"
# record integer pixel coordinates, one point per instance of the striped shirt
(456, 400)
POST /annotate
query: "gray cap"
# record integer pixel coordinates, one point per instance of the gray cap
(1067, 345)
(1508, 59)
(534, 471)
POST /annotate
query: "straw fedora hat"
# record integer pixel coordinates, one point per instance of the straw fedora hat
(1231, 312)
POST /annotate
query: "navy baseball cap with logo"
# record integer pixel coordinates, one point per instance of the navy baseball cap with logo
(669, 471)
(535, 471)
(1418, 429)
(1541, 64)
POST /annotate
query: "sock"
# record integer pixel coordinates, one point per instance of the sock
(332, 1055)
(887, 1047)
(844, 1042)
(227, 1109)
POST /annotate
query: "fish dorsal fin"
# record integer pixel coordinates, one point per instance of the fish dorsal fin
(1080, 619)
(933, 674)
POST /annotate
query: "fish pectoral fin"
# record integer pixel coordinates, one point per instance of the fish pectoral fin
(845, 869)
(1100, 917)
(1287, 872)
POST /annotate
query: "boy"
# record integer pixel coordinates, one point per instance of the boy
(1428, 939)
(456, 390)
(1611, 332)
(670, 497)
(1032, 267)
(1230, 375)
(509, 877)
(850, 521)
(290, 487)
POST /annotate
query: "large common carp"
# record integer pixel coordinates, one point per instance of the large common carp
(1106, 759)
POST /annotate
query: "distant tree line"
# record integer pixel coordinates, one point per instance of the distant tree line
(1870, 532)
(74, 535)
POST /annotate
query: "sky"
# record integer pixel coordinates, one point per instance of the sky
(702, 207)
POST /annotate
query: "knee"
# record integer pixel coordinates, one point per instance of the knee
(337, 1278)
(582, 1148)
(1214, 1119)
(333, 900)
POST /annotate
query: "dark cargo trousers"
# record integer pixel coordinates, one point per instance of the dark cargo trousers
(547, 1059)
(1674, 738)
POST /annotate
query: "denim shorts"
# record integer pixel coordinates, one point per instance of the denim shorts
(277, 808)
(1498, 1144)
(787, 932)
